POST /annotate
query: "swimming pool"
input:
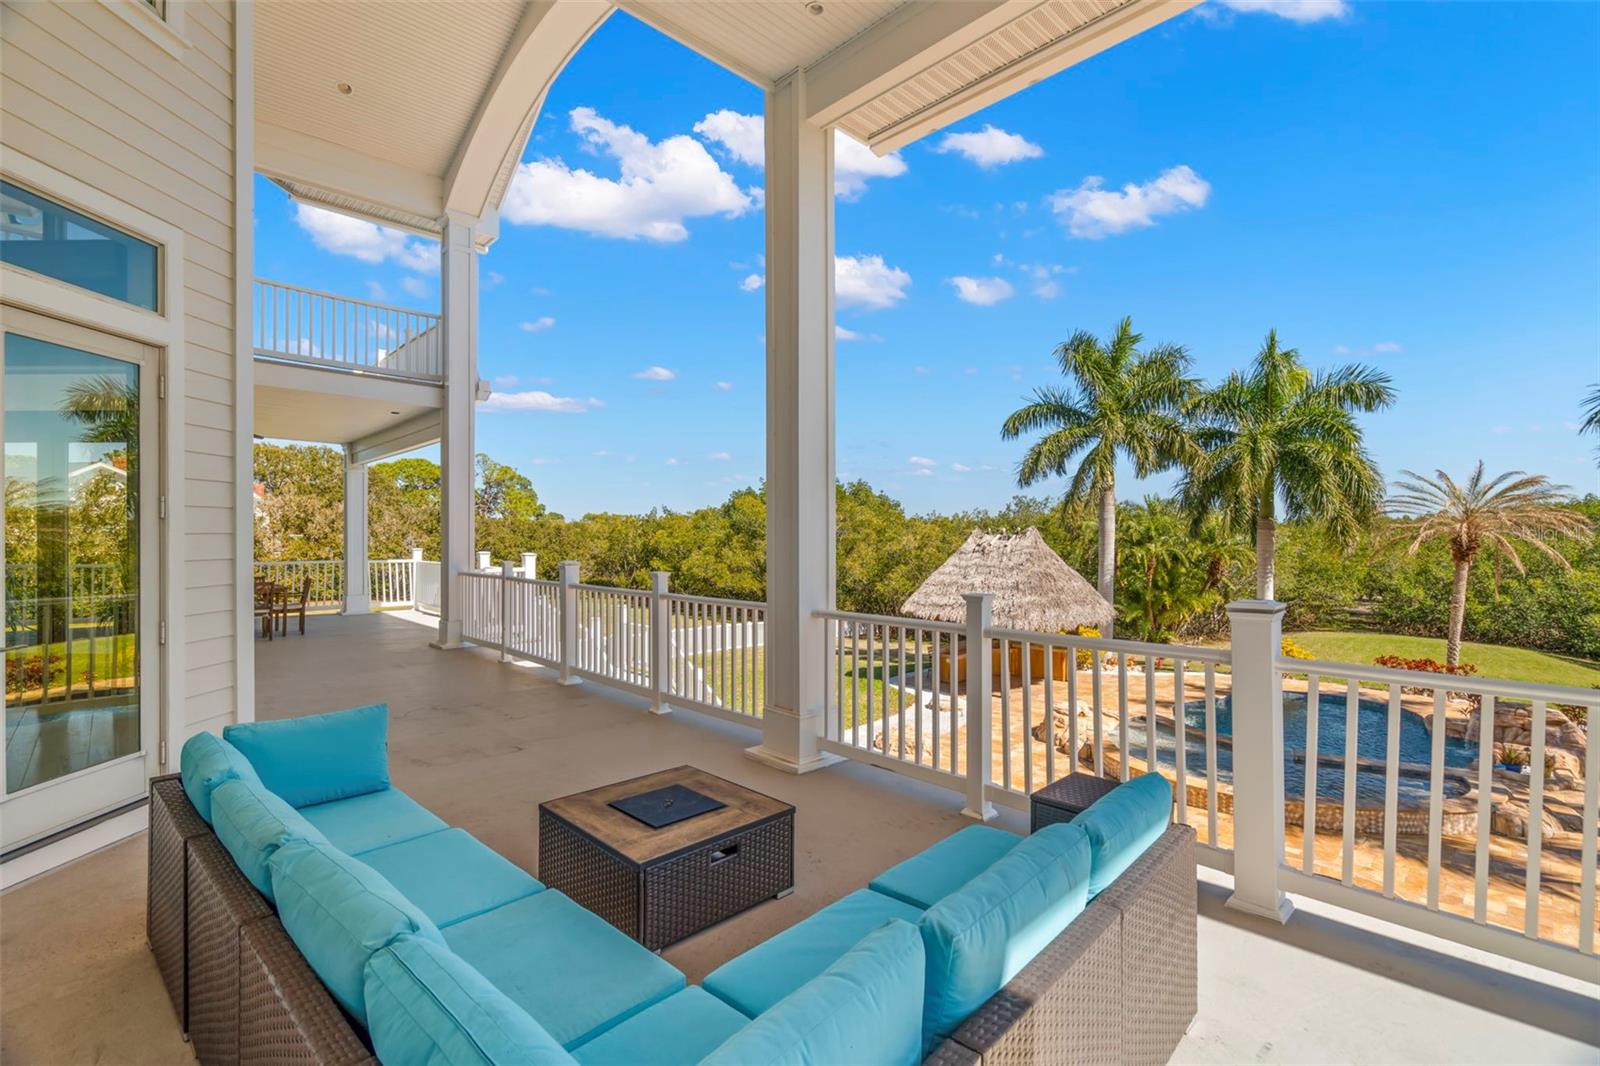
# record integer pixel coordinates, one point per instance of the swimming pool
(1372, 742)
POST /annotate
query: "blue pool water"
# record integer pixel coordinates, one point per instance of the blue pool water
(1372, 742)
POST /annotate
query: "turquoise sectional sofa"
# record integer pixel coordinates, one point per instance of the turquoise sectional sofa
(438, 950)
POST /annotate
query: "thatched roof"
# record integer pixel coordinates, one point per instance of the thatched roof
(1033, 587)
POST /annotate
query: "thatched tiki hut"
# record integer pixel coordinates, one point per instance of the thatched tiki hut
(1033, 588)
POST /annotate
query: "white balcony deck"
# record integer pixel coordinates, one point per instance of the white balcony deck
(482, 743)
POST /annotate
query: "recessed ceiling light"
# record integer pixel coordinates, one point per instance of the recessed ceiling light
(344, 87)
(814, 7)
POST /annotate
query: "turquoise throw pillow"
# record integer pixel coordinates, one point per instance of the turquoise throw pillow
(1122, 824)
(427, 1007)
(980, 936)
(865, 1008)
(205, 762)
(253, 824)
(340, 912)
(319, 758)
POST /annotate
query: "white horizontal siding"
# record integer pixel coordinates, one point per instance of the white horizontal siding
(85, 92)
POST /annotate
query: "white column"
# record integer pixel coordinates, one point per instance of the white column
(660, 641)
(800, 472)
(458, 305)
(980, 723)
(357, 594)
(1257, 634)
(568, 572)
(530, 564)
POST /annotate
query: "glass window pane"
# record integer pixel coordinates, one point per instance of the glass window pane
(46, 238)
(72, 560)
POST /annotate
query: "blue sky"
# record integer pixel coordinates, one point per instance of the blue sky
(1412, 185)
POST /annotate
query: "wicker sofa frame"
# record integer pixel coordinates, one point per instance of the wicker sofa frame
(1117, 986)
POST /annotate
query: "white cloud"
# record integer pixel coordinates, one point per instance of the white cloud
(660, 185)
(921, 460)
(921, 371)
(751, 283)
(376, 292)
(990, 147)
(601, 454)
(1093, 211)
(415, 286)
(1042, 277)
(854, 164)
(723, 386)
(1293, 10)
(656, 373)
(1386, 346)
(672, 462)
(923, 472)
(366, 241)
(867, 281)
(985, 292)
(960, 468)
(719, 457)
(840, 333)
(538, 400)
(538, 325)
(493, 278)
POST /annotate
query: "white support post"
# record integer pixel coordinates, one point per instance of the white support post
(980, 610)
(458, 305)
(416, 565)
(506, 574)
(530, 565)
(660, 641)
(357, 593)
(1257, 635)
(569, 622)
(800, 428)
(484, 561)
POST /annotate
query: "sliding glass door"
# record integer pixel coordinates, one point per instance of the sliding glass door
(80, 573)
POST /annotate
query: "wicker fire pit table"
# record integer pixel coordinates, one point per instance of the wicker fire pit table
(663, 856)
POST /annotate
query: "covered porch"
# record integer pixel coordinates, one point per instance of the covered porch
(484, 742)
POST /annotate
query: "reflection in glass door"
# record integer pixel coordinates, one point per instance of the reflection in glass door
(75, 468)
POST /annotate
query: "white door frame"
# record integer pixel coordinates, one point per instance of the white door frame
(39, 810)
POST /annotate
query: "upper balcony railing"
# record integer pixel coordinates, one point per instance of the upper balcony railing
(337, 332)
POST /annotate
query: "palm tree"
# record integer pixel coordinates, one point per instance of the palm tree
(1283, 434)
(1591, 413)
(1120, 401)
(1484, 515)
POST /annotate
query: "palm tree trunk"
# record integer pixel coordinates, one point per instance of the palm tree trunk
(1266, 557)
(1108, 548)
(1458, 613)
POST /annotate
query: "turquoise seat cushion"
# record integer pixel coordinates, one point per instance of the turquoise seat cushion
(340, 912)
(1122, 824)
(931, 875)
(759, 978)
(979, 937)
(679, 1031)
(865, 1008)
(253, 824)
(426, 1007)
(573, 971)
(362, 823)
(321, 757)
(205, 762)
(450, 875)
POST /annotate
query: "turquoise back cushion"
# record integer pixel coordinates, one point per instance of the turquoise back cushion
(340, 912)
(253, 824)
(865, 1008)
(979, 937)
(319, 758)
(1122, 824)
(206, 762)
(428, 1007)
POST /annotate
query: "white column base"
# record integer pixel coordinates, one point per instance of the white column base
(660, 709)
(787, 763)
(569, 681)
(1279, 914)
(987, 814)
(357, 605)
(449, 635)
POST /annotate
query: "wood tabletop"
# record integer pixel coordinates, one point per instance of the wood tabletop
(590, 813)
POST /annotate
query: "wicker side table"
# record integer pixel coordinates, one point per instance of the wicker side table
(662, 885)
(1065, 799)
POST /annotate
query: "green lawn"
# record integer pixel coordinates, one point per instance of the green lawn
(1492, 660)
(870, 692)
(113, 660)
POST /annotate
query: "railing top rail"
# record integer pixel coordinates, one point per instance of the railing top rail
(724, 601)
(1187, 652)
(1487, 686)
(532, 582)
(434, 315)
(620, 590)
(891, 620)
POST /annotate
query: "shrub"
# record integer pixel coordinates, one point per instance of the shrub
(1291, 649)
(1425, 666)
(1576, 713)
(1514, 756)
(1083, 659)
(24, 673)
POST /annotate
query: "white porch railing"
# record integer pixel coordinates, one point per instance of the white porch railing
(390, 582)
(326, 577)
(1374, 789)
(321, 329)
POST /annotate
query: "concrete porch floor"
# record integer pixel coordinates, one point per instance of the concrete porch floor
(482, 743)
